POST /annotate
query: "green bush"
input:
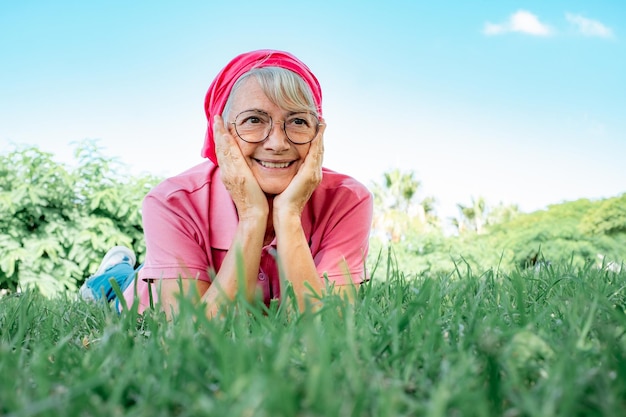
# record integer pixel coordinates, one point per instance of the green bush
(56, 221)
(581, 232)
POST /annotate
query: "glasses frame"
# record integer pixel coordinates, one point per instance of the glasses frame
(317, 127)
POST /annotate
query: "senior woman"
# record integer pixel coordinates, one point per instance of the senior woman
(263, 207)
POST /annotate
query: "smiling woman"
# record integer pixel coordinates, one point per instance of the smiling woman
(263, 208)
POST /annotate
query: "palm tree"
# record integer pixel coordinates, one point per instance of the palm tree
(472, 217)
(476, 216)
(397, 210)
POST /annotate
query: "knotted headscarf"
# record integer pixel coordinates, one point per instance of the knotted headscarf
(221, 87)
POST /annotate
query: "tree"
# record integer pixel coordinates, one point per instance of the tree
(472, 217)
(478, 215)
(396, 209)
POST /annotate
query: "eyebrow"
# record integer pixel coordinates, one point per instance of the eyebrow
(255, 110)
(291, 113)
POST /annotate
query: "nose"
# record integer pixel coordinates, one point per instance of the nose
(277, 139)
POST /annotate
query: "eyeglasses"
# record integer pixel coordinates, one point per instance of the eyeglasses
(254, 126)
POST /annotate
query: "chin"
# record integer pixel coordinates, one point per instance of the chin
(274, 185)
(273, 189)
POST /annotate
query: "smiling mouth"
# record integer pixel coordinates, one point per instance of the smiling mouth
(267, 164)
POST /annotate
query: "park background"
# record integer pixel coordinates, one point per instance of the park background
(516, 102)
(490, 133)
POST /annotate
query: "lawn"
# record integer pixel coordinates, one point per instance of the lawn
(548, 342)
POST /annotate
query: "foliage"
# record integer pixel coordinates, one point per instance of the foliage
(56, 222)
(549, 342)
(609, 217)
(558, 234)
(577, 232)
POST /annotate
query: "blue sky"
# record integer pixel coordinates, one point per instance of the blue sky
(520, 102)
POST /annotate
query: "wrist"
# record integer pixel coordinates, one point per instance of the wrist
(286, 218)
(253, 214)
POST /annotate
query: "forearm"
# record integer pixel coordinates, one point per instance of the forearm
(241, 261)
(296, 261)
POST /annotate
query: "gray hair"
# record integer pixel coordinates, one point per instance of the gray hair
(284, 88)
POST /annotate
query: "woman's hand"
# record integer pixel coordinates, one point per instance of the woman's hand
(236, 175)
(308, 177)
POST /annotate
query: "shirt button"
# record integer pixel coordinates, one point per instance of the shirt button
(262, 276)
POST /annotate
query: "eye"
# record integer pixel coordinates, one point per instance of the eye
(252, 118)
(301, 121)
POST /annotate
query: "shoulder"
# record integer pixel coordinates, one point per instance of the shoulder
(335, 183)
(194, 181)
(338, 195)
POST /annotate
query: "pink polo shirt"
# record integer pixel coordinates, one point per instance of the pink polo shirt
(190, 220)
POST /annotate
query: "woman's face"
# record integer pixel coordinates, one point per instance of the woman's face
(275, 161)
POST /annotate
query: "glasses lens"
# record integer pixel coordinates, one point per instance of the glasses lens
(301, 128)
(253, 126)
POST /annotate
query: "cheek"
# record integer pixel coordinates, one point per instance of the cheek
(247, 149)
(303, 150)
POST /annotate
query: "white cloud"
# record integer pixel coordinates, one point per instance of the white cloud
(589, 27)
(520, 21)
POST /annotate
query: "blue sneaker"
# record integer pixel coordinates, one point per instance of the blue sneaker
(116, 255)
(118, 263)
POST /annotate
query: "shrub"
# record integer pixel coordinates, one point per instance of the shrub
(56, 222)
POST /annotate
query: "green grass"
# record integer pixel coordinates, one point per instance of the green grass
(530, 343)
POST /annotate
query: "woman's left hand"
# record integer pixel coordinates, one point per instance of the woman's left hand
(306, 179)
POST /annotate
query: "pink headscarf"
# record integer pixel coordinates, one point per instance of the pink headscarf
(222, 85)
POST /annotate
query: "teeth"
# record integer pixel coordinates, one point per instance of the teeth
(274, 164)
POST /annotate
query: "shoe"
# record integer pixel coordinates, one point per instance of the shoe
(116, 255)
(92, 288)
(86, 293)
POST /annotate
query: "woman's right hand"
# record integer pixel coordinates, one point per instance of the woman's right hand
(236, 175)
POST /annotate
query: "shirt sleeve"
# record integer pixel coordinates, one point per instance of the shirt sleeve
(175, 247)
(340, 251)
